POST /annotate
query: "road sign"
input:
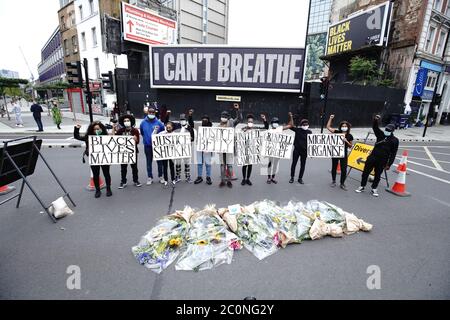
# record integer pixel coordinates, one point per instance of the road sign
(143, 26)
(358, 155)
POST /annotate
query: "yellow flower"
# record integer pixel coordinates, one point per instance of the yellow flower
(317, 214)
(202, 242)
(175, 242)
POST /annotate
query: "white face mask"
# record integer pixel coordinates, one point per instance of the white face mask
(151, 116)
(223, 119)
(127, 124)
(387, 133)
(250, 124)
(183, 122)
(305, 127)
(275, 125)
(344, 129)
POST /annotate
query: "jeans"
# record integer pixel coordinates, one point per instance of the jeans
(204, 157)
(297, 154)
(39, 123)
(96, 176)
(373, 163)
(149, 156)
(334, 162)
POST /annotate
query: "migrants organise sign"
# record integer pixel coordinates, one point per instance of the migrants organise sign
(106, 150)
(215, 139)
(326, 145)
(248, 147)
(171, 146)
(277, 145)
(225, 67)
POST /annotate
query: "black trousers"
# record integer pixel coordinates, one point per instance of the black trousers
(96, 174)
(376, 164)
(39, 123)
(171, 165)
(334, 164)
(124, 171)
(247, 172)
(295, 156)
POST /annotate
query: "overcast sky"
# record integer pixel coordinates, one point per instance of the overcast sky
(29, 24)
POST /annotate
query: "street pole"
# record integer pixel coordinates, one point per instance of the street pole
(432, 104)
(327, 81)
(88, 89)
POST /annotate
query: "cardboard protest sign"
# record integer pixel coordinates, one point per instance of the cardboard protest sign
(358, 156)
(248, 147)
(106, 150)
(215, 139)
(326, 145)
(171, 146)
(277, 145)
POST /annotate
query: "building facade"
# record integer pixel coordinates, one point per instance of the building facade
(316, 39)
(4, 73)
(51, 69)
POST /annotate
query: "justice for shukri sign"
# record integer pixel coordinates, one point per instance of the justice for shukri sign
(107, 150)
(171, 146)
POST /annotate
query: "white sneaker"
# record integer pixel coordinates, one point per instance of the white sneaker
(149, 181)
(375, 192)
(161, 180)
(360, 189)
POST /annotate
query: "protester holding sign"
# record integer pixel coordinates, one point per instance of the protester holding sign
(344, 127)
(272, 168)
(127, 123)
(247, 169)
(186, 126)
(204, 157)
(98, 129)
(148, 127)
(301, 130)
(226, 159)
(381, 157)
(168, 162)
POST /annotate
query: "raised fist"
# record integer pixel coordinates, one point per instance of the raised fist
(236, 106)
(290, 114)
(331, 116)
(377, 117)
(78, 126)
(191, 112)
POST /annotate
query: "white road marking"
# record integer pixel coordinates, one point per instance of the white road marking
(436, 164)
(425, 159)
(445, 154)
(441, 202)
(424, 165)
(429, 176)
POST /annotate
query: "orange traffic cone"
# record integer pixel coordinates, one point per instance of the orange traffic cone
(338, 170)
(91, 185)
(6, 189)
(402, 162)
(399, 188)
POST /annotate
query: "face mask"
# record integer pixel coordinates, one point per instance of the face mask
(250, 124)
(275, 125)
(183, 122)
(223, 119)
(344, 129)
(305, 127)
(151, 116)
(98, 132)
(387, 133)
(127, 124)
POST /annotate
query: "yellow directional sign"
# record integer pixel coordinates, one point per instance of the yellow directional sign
(358, 155)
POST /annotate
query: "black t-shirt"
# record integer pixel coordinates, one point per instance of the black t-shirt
(349, 138)
(300, 140)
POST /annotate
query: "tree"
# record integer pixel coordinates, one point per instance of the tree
(12, 88)
(366, 71)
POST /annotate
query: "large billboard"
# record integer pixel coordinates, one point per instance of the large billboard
(145, 27)
(365, 29)
(226, 67)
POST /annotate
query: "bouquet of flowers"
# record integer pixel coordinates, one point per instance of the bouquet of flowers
(160, 246)
(208, 242)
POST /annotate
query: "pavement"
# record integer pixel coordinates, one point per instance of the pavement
(409, 241)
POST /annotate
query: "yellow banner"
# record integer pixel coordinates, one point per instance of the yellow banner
(358, 155)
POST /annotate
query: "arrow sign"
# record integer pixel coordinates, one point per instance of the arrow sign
(130, 24)
(360, 160)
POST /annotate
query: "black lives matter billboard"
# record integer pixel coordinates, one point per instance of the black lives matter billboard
(365, 29)
(226, 67)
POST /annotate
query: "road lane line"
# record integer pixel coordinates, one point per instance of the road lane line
(436, 164)
(429, 176)
(441, 202)
(424, 165)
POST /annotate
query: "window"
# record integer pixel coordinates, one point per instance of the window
(75, 44)
(83, 41)
(97, 68)
(81, 12)
(91, 6)
(73, 18)
(440, 44)
(430, 38)
(447, 11)
(66, 47)
(63, 23)
(94, 37)
(437, 5)
(70, 20)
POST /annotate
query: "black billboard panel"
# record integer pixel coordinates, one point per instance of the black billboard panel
(365, 29)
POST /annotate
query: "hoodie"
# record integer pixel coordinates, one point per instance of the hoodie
(147, 127)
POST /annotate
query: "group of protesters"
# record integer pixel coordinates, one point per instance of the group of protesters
(381, 158)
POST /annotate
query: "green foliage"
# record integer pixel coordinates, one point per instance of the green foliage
(365, 71)
(54, 86)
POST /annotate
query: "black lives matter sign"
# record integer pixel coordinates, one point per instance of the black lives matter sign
(107, 150)
(239, 68)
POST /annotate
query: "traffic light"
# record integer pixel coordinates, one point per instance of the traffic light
(437, 99)
(108, 81)
(74, 75)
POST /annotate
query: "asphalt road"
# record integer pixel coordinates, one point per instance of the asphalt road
(409, 241)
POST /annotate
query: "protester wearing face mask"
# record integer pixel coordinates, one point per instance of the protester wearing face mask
(99, 129)
(186, 125)
(226, 159)
(275, 126)
(204, 158)
(381, 157)
(344, 127)
(301, 130)
(168, 163)
(247, 170)
(148, 127)
(127, 123)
